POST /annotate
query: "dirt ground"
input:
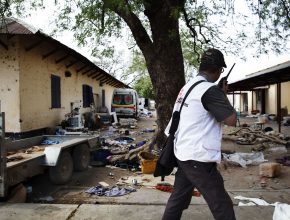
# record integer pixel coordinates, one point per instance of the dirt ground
(236, 178)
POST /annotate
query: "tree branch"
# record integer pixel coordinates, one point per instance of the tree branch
(287, 11)
(90, 21)
(200, 26)
(138, 31)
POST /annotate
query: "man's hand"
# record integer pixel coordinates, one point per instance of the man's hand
(223, 84)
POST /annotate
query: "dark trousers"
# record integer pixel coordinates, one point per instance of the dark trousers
(208, 181)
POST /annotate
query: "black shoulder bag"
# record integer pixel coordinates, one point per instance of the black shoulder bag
(167, 161)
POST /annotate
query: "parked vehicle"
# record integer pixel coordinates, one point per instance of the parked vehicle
(125, 103)
(25, 158)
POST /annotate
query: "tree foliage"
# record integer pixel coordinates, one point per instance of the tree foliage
(262, 25)
(144, 87)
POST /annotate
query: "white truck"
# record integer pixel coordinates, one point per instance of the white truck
(25, 158)
(125, 102)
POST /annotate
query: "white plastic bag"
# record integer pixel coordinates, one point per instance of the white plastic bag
(245, 159)
(281, 212)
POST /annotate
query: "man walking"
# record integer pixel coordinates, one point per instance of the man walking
(198, 141)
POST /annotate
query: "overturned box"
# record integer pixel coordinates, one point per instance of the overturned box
(270, 169)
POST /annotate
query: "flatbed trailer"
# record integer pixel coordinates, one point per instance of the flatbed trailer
(25, 158)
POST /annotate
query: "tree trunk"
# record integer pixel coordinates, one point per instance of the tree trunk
(166, 68)
(162, 52)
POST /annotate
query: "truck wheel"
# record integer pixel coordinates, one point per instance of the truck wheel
(62, 172)
(81, 157)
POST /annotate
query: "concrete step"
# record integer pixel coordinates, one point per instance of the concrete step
(32, 211)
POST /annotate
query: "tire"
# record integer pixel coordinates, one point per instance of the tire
(81, 157)
(62, 172)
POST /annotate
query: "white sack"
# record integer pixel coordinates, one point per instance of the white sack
(281, 212)
(245, 159)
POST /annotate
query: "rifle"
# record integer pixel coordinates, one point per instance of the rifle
(225, 78)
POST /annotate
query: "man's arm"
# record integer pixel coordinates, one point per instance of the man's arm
(231, 120)
(216, 102)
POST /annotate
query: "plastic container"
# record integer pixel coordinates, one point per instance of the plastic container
(148, 162)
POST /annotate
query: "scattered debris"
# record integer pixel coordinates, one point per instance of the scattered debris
(277, 149)
(135, 182)
(281, 212)
(14, 158)
(34, 149)
(128, 122)
(148, 130)
(124, 140)
(249, 136)
(244, 159)
(130, 156)
(284, 160)
(104, 184)
(45, 199)
(20, 154)
(253, 201)
(145, 113)
(110, 192)
(147, 180)
(50, 142)
(166, 187)
(270, 169)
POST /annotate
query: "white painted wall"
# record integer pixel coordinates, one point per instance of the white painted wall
(285, 93)
(9, 83)
(271, 102)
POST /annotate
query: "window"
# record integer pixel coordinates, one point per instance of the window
(123, 99)
(55, 92)
(88, 98)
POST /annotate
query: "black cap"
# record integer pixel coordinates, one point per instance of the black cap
(213, 57)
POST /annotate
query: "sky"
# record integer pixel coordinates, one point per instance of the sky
(241, 69)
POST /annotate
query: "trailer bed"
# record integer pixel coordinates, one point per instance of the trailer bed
(65, 142)
(26, 158)
(29, 157)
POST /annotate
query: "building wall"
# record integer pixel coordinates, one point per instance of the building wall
(271, 102)
(285, 91)
(9, 83)
(108, 93)
(35, 88)
(271, 98)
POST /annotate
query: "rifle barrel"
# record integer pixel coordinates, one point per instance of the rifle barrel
(230, 70)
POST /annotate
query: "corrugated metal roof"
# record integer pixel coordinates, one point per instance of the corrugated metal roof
(270, 69)
(18, 27)
(272, 75)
